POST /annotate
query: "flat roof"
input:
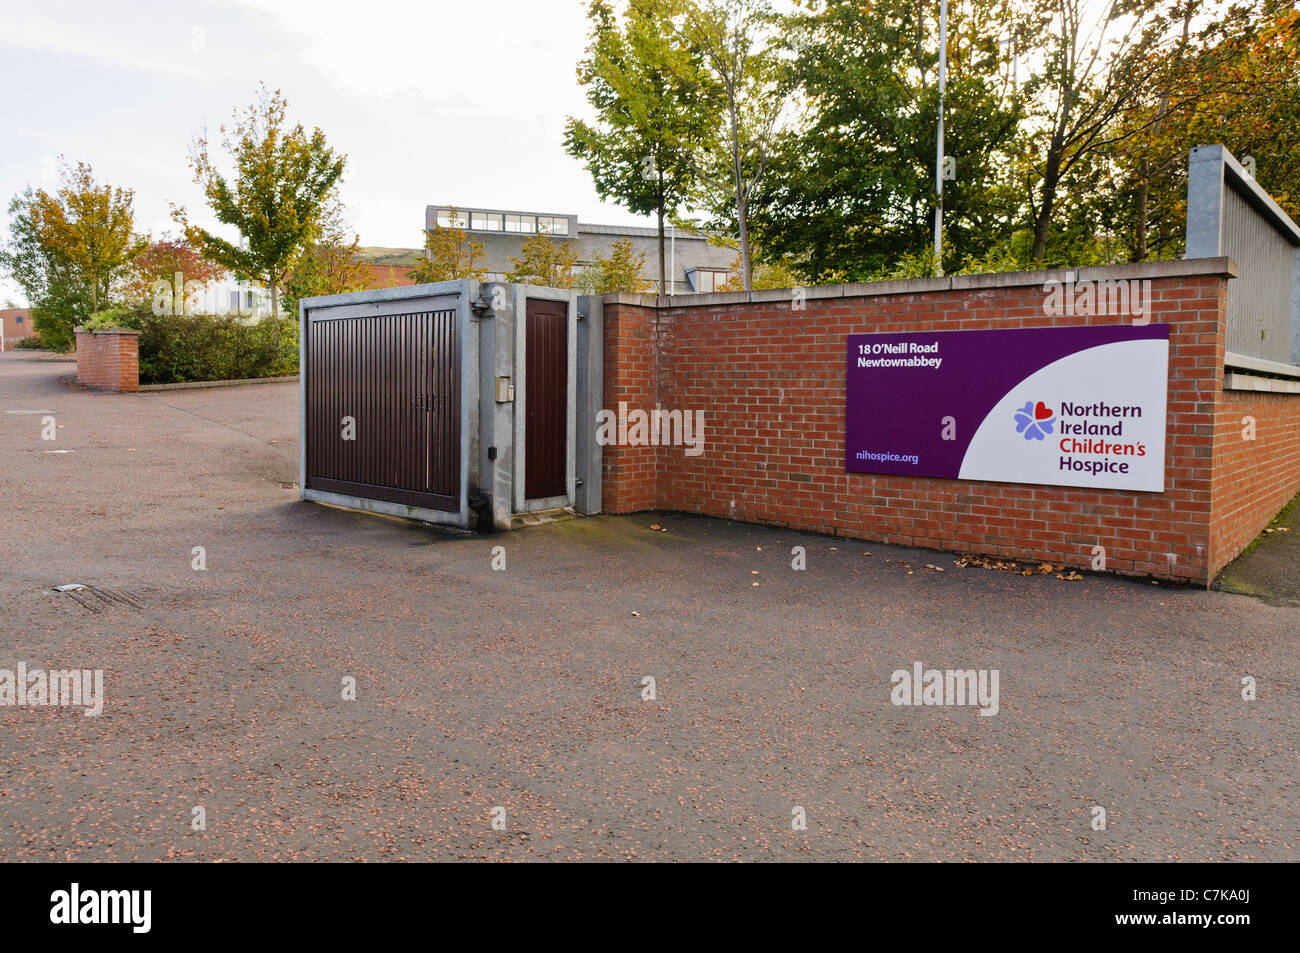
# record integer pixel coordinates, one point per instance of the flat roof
(591, 228)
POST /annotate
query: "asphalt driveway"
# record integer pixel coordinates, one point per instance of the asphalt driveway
(523, 689)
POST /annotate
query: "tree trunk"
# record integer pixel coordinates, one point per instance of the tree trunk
(1139, 250)
(1051, 179)
(745, 264)
(741, 211)
(275, 315)
(663, 271)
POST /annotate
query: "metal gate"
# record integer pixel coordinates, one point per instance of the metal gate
(382, 395)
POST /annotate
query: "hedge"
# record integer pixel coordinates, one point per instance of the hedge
(202, 348)
(177, 349)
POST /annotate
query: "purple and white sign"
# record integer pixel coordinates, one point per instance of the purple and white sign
(1079, 406)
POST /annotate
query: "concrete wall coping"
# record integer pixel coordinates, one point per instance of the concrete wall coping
(132, 331)
(1242, 362)
(1178, 268)
(1234, 380)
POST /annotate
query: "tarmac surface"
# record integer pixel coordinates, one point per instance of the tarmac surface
(1270, 570)
(522, 690)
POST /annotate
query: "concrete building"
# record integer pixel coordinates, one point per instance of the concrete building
(694, 265)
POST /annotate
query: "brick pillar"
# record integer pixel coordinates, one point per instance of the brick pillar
(109, 359)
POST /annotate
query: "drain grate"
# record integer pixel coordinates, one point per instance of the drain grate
(97, 598)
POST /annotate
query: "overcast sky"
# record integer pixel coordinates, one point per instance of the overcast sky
(436, 101)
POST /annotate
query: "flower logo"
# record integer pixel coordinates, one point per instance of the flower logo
(1034, 420)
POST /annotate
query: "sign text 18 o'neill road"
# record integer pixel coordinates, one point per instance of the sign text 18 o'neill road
(1074, 406)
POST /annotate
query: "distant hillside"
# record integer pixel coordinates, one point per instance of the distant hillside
(375, 255)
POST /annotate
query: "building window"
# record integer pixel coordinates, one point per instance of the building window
(18, 319)
(522, 224)
(243, 301)
(484, 222)
(553, 224)
(445, 219)
(705, 280)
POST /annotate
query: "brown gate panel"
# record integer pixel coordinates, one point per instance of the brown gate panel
(546, 399)
(397, 377)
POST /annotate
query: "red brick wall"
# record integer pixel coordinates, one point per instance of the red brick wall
(1253, 479)
(388, 276)
(771, 382)
(109, 359)
(631, 358)
(14, 329)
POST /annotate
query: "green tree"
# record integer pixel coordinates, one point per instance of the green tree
(283, 180)
(645, 87)
(449, 254)
(622, 271)
(544, 262)
(851, 184)
(766, 275)
(92, 227)
(330, 263)
(1233, 80)
(1097, 61)
(72, 251)
(59, 300)
(743, 72)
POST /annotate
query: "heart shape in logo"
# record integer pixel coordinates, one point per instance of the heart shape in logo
(1041, 411)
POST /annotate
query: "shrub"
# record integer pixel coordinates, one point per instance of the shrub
(54, 317)
(118, 316)
(180, 348)
(31, 343)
